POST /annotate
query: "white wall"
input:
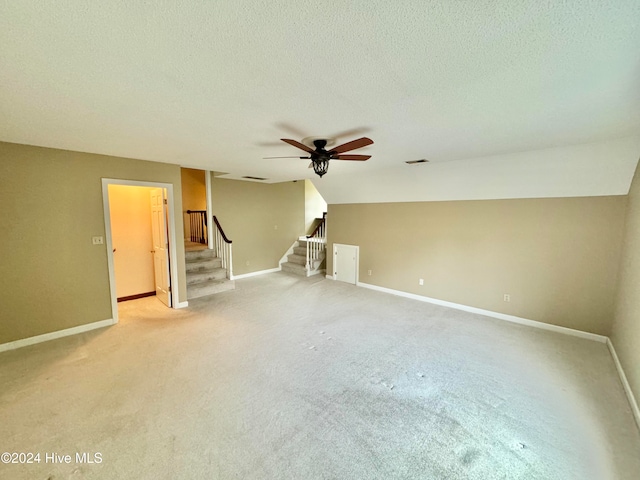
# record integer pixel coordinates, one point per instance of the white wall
(314, 205)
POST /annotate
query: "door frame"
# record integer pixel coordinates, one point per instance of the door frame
(173, 252)
(333, 265)
(208, 193)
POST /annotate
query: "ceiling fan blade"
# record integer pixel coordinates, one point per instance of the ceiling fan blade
(345, 147)
(284, 157)
(291, 129)
(351, 157)
(350, 133)
(297, 144)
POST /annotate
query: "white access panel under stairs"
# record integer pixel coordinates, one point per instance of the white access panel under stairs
(345, 263)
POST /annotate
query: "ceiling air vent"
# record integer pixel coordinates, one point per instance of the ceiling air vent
(413, 162)
(254, 178)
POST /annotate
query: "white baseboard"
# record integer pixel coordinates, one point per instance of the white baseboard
(255, 274)
(53, 335)
(330, 277)
(182, 304)
(531, 323)
(625, 383)
(489, 313)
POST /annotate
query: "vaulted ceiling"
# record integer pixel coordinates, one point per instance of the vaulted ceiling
(504, 98)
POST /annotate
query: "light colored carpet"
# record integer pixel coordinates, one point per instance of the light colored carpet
(304, 378)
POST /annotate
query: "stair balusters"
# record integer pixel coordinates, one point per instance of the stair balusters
(198, 226)
(316, 244)
(223, 247)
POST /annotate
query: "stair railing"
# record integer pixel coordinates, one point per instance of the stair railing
(316, 243)
(198, 226)
(223, 248)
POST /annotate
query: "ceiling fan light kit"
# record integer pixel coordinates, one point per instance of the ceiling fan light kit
(320, 166)
(320, 157)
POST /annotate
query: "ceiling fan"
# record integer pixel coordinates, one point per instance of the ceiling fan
(320, 156)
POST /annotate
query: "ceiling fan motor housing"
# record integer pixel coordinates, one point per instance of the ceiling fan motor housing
(320, 143)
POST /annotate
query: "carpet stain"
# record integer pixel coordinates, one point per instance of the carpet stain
(470, 456)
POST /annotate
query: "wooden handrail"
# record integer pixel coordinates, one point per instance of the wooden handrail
(224, 237)
(223, 248)
(320, 224)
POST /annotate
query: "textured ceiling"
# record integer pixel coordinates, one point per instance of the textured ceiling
(215, 84)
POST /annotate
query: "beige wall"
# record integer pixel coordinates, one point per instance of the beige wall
(51, 276)
(556, 258)
(194, 194)
(249, 213)
(314, 206)
(132, 240)
(626, 327)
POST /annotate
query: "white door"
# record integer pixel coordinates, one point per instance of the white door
(345, 263)
(160, 245)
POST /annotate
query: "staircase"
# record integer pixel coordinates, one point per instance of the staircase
(308, 257)
(297, 262)
(205, 273)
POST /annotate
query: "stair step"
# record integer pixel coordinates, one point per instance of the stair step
(302, 242)
(294, 268)
(206, 274)
(190, 246)
(210, 287)
(302, 251)
(199, 254)
(200, 264)
(299, 259)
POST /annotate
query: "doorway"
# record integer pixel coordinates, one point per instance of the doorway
(196, 198)
(132, 241)
(160, 254)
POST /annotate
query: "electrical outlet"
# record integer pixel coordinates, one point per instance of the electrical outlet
(421, 281)
(507, 297)
(275, 227)
(369, 272)
(97, 240)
